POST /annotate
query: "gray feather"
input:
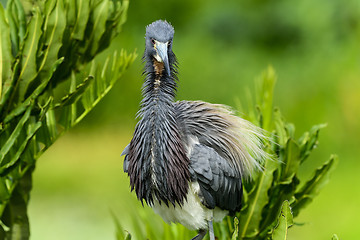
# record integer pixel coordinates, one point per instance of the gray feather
(125, 151)
(126, 160)
(220, 184)
(236, 140)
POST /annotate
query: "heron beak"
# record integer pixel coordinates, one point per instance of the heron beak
(162, 56)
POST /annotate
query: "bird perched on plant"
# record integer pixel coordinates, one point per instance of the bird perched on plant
(187, 159)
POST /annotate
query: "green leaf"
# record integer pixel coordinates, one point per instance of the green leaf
(75, 95)
(278, 194)
(71, 16)
(32, 129)
(4, 191)
(280, 128)
(250, 217)
(8, 88)
(91, 97)
(28, 58)
(54, 28)
(15, 134)
(81, 19)
(264, 97)
(99, 18)
(6, 58)
(127, 236)
(312, 187)
(20, 13)
(48, 131)
(37, 92)
(13, 26)
(120, 235)
(285, 221)
(236, 229)
(226, 229)
(290, 159)
(123, 14)
(309, 141)
(17, 21)
(335, 237)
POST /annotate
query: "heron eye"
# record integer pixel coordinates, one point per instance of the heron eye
(153, 41)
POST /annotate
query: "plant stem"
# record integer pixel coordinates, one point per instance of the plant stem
(15, 215)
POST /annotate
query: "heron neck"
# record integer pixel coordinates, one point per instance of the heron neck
(158, 165)
(159, 89)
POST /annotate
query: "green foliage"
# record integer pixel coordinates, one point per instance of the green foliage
(120, 233)
(273, 189)
(285, 221)
(275, 195)
(236, 229)
(335, 237)
(49, 81)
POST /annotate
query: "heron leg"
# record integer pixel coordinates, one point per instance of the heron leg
(201, 235)
(211, 230)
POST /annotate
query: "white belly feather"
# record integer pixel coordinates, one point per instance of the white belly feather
(193, 214)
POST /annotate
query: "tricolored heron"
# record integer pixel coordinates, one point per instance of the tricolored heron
(187, 159)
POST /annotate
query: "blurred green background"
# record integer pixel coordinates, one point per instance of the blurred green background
(221, 46)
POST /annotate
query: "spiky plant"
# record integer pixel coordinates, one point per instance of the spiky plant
(49, 81)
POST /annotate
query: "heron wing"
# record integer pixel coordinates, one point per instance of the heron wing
(220, 184)
(235, 139)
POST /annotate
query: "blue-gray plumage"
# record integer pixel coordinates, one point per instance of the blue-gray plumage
(187, 159)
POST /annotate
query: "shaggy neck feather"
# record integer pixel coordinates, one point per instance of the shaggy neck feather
(158, 167)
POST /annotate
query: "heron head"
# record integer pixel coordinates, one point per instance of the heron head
(158, 46)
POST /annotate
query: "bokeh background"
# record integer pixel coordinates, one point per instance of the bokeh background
(222, 46)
